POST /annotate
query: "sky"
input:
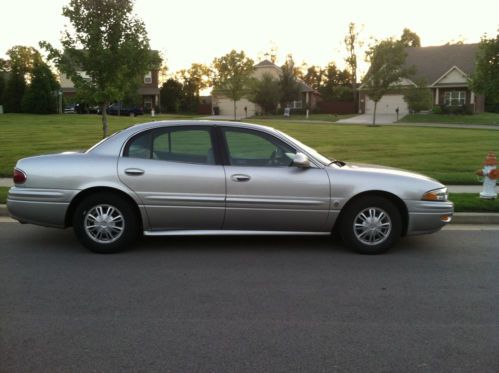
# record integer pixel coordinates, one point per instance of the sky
(312, 31)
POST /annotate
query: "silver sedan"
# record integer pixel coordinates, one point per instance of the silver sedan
(203, 178)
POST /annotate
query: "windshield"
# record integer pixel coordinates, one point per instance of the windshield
(314, 153)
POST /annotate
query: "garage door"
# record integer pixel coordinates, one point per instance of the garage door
(387, 105)
(226, 107)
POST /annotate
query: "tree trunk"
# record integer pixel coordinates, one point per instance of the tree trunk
(355, 96)
(374, 113)
(105, 125)
(235, 109)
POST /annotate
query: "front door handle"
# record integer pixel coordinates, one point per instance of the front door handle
(134, 171)
(240, 177)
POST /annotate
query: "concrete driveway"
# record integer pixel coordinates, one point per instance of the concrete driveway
(368, 119)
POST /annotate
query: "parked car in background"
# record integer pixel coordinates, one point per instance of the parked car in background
(201, 178)
(83, 108)
(120, 109)
(70, 109)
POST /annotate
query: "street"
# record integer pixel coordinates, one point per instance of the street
(248, 304)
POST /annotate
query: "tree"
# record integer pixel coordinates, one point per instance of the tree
(198, 76)
(352, 42)
(266, 92)
(193, 80)
(410, 39)
(110, 45)
(23, 60)
(419, 98)
(290, 89)
(232, 75)
(313, 76)
(2, 86)
(387, 68)
(334, 82)
(14, 92)
(485, 79)
(20, 65)
(171, 96)
(41, 95)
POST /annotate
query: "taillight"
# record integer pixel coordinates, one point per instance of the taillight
(19, 176)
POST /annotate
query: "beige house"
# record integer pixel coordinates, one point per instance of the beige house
(225, 105)
(446, 69)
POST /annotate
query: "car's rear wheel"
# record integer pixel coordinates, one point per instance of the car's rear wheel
(371, 225)
(105, 223)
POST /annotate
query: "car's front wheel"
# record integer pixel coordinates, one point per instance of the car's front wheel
(105, 223)
(371, 225)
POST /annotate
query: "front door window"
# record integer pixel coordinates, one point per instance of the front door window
(250, 148)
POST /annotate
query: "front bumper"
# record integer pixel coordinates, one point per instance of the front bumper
(428, 216)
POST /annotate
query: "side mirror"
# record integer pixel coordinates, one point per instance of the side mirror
(301, 160)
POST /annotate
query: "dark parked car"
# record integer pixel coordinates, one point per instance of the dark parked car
(120, 109)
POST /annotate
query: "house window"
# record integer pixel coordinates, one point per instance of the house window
(148, 78)
(455, 98)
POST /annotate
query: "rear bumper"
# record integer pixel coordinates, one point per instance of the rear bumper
(49, 214)
(45, 207)
(428, 217)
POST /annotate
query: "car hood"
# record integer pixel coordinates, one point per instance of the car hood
(386, 170)
(355, 178)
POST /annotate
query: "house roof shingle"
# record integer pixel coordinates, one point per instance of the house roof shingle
(433, 62)
(265, 63)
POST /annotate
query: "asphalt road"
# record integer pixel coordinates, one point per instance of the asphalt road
(248, 305)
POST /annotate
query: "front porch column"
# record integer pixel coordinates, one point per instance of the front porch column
(307, 98)
(472, 98)
(437, 93)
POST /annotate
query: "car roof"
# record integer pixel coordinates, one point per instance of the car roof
(112, 144)
(195, 122)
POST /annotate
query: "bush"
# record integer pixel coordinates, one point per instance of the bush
(453, 110)
(437, 109)
(418, 98)
(492, 108)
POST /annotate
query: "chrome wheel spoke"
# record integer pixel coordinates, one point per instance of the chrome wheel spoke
(104, 223)
(372, 226)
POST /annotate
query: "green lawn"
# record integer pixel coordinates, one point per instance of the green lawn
(312, 117)
(3, 194)
(450, 155)
(482, 118)
(471, 202)
(463, 202)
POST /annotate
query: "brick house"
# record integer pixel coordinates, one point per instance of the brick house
(446, 69)
(148, 89)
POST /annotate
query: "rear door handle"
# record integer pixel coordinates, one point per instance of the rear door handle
(134, 171)
(240, 177)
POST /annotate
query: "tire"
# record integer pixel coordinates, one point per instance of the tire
(105, 223)
(371, 225)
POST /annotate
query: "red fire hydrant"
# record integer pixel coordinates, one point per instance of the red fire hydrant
(490, 174)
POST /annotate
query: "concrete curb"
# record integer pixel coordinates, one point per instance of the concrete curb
(458, 218)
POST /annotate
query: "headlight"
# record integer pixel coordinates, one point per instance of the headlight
(436, 195)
